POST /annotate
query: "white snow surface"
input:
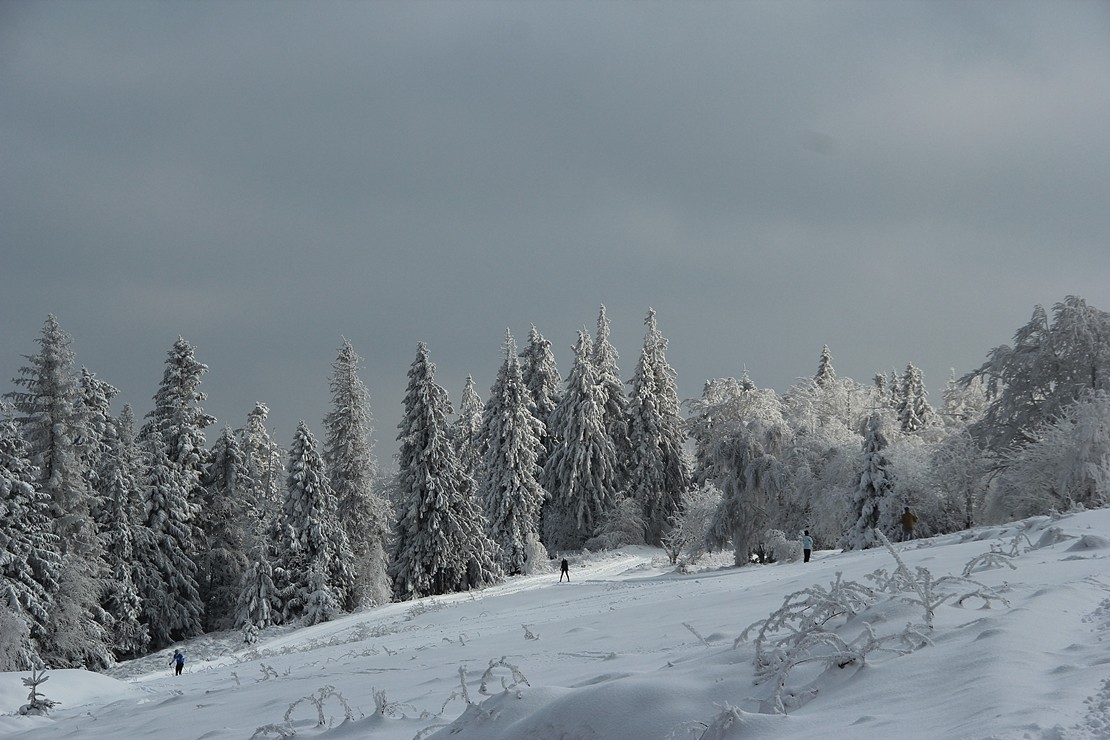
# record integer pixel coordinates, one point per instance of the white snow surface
(630, 648)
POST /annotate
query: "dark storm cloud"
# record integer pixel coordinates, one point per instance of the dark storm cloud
(901, 181)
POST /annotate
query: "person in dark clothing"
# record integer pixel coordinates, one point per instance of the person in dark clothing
(564, 570)
(909, 521)
(178, 662)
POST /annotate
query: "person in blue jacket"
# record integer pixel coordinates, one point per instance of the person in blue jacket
(178, 662)
(807, 546)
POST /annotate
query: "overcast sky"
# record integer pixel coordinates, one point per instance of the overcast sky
(902, 181)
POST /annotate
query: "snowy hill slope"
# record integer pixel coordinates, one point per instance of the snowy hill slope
(632, 649)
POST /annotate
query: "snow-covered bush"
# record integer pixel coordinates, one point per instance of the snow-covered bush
(781, 549)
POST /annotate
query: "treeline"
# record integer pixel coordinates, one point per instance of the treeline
(117, 541)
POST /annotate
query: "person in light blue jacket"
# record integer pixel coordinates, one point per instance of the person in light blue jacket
(807, 546)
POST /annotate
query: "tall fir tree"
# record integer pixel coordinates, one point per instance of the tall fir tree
(914, 411)
(659, 473)
(507, 482)
(581, 473)
(614, 404)
(121, 470)
(179, 421)
(53, 420)
(165, 572)
(541, 376)
(50, 418)
(259, 601)
(226, 522)
(440, 543)
(313, 539)
(349, 455)
(874, 506)
(265, 465)
(826, 375)
(30, 560)
(466, 430)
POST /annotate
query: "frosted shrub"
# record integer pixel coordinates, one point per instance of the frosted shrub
(782, 549)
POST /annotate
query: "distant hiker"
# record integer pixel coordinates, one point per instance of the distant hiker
(178, 662)
(564, 570)
(909, 521)
(807, 546)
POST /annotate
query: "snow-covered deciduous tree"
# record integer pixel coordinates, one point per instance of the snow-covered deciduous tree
(874, 504)
(165, 573)
(958, 470)
(226, 523)
(507, 477)
(689, 532)
(623, 525)
(541, 377)
(121, 471)
(440, 543)
(964, 402)
(659, 473)
(1048, 367)
(312, 535)
(30, 562)
(1067, 465)
(740, 437)
(613, 403)
(352, 469)
(466, 431)
(581, 474)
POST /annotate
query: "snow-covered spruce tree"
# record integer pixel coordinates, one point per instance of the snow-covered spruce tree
(581, 473)
(1047, 368)
(312, 535)
(265, 464)
(440, 543)
(30, 561)
(53, 421)
(914, 411)
(614, 404)
(257, 593)
(352, 469)
(225, 520)
(874, 504)
(121, 470)
(466, 431)
(826, 375)
(50, 418)
(541, 377)
(659, 474)
(1066, 466)
(507, 477)
(165, 573)
(98, 427)
(180, 422)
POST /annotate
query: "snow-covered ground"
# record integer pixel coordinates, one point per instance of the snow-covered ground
(632, 649)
